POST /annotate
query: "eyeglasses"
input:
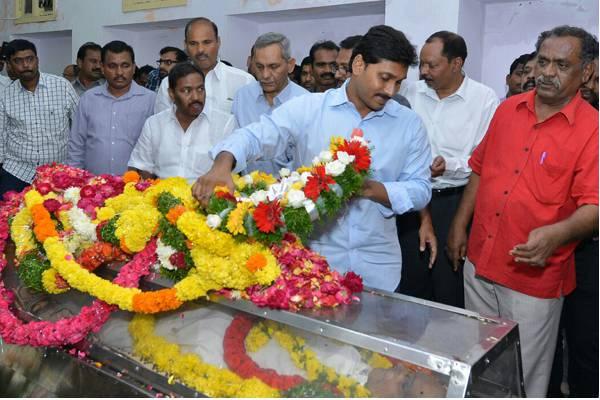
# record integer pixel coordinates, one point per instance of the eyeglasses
(23, 60)
(166, 62)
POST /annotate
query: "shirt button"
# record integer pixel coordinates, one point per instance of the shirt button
(489, 236)
(516, 171)
(506, 192)
(112, 142)
(497, 214)
(113, 127)
(526, 149)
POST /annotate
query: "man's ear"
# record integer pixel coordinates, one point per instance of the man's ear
(588, 71)
(358, 65)
(291, 65)
(457, 64)
(171, 94)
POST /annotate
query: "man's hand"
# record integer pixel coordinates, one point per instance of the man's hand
(219, 175)
(541, 243)
(438, 166)
(457, 246)
(427, 237)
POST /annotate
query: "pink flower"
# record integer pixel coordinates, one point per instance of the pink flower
(87, 191)
(61, 180)
(52, 205)
(44, 188)
(178, 260)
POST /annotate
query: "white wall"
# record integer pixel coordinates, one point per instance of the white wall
(511, 29)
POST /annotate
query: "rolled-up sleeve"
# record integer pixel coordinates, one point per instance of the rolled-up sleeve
(412, 190)
(263, 140)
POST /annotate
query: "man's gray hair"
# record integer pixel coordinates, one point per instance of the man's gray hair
(589, 43)
(270, 38)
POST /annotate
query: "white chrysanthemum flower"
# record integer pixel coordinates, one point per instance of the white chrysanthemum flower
(304, 177)
(311, 209)
(164, 252)
(325, 156)
(82, 224)
(296, 198)
(248, 179)
(344, 157)
(335, 168)
(284, 172)
(260, 196)
(213, 221)
(360, 139)
(72, 195)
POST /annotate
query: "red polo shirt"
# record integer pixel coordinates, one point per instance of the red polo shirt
(531, 175)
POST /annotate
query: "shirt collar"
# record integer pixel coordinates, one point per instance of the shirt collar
(282, 96)
(339, 96)
(460, 92)
(95, 83)
(218, 69)
(568, 111)
(43, 81)
(203, 115)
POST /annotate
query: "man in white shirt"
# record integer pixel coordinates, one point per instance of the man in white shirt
(272, 62)
(202, 43)
(176, 141)
(456, 111)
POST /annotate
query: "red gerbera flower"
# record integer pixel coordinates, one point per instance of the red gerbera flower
(268, 216)
(317, 182)
(362, 157)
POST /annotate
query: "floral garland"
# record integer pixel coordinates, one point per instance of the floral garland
(265, 209)
(237, 340)
(188, 367)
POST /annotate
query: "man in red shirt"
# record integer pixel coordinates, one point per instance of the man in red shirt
(533, 195)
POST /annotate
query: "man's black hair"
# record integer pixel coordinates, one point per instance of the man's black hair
(17, 45)
(589, 44)
(350, 42)
(204, 20)
(320, 45)
(180, 55)
(521, 60)
(454, 44)
(306, 60)
(146, 69)
(383, 42)
(82, 52)
(117, 46)
(182, 70)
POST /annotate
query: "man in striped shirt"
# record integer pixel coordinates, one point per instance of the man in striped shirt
(35, 117)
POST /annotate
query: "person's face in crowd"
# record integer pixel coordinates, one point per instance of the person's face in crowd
(377, 83)
(69, 73)
(189, 95)
(91, 65)
(528, 77)
(513, 81)
(24, 65)
(343, 66)
(435, 69)
(306, 77)
(272, 68)
(203, 46)
(166, 63)
(324, 68)
(559, 69)
(589, 90)
(118, 69)
(10, 72)
(142, 79)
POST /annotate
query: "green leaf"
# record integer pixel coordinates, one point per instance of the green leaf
(166, 201)
(30, 270)
(107, 232)
(298, 221)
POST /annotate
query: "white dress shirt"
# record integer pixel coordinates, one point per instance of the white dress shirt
(165, 150)
(4, 82)
(455, 124)
(221, 84)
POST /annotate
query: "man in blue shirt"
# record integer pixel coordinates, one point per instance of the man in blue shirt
(364, 237)
(110, 117)
(273, 62)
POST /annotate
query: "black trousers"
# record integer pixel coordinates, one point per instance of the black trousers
(579, 322)
(441, 283)
(10, 182)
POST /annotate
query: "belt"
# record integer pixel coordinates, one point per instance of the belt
(447, 191)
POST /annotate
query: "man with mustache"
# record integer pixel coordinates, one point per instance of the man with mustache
(35, 114)
(364, 239)
(323, 55)
(306, 77)
(175, 142)
(168, 57)
(202, 43)
(272, 62)
(90, 69)
(528, 78)
(456, 111)
(533, 196)
(110, 117)
(515, 75)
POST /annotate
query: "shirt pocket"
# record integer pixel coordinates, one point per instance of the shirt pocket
(552, 173)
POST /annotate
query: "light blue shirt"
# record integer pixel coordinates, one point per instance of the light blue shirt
(249, 104)
(363, 238)
(106, 128)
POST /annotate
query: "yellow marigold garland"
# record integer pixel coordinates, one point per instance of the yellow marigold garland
(49, 282)
(21, 232)
(189, 368)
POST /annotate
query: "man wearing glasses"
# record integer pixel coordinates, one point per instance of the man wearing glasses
(35, 115)
(169, 56)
